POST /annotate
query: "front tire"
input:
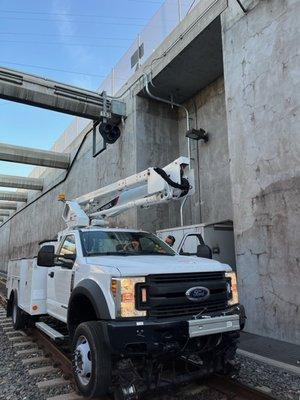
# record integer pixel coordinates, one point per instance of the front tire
(17, 315)
(91, 360)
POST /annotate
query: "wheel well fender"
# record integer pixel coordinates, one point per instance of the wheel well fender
(87, 302)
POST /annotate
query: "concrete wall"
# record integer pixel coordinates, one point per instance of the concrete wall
(212, 200)
(157, 145)
(262, 84)
(161, 138)
(42, 219)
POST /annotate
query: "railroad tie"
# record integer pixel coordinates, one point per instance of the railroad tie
(6, 323)
(34, 360)
(28, 351)
(8, 328)
(42, 370)
(29, 343)
(68, 396)
(17, 338)
(21, 333)
(52, 382)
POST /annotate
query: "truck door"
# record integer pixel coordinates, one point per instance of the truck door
(60, 279)
(189, 244)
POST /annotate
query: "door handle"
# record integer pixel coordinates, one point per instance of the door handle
(51, 274)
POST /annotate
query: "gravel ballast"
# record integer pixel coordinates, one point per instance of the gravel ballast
(17, 384)
(278, 383)
(14, 382)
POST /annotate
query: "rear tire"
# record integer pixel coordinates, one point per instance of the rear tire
(91, 360)
(18, 317)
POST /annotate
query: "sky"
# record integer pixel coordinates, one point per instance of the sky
(71, 41)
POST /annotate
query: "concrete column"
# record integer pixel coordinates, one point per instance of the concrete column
(8, 205)
(13, 196)
(262, 86)
(156, 145)
(212, 199)
(26, 155)
(21, 182)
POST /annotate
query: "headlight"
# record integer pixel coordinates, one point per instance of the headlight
(123, 291)
(232, 288)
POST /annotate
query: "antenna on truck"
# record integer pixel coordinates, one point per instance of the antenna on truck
(151, 186)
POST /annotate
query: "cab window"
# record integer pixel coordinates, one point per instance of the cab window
(190, 245)
(68, 246)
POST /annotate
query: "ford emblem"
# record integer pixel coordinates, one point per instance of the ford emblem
(198, 293)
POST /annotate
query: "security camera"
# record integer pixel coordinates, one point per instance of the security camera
(109, 132)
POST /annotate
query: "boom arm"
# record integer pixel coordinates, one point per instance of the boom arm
(149, 187)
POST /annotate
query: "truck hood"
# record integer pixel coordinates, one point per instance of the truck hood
(145, 265)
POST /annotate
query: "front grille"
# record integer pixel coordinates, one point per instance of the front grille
(167, 298)
(190, 277)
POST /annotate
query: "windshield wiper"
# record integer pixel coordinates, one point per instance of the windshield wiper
(113, 253)
(105, 253)
(150, 253)
(128, 253)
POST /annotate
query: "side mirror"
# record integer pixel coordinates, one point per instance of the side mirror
(45, 257)
(71, 257)
(66, 260)
(204, 251)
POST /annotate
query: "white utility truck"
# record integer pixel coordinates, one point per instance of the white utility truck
(137, 314)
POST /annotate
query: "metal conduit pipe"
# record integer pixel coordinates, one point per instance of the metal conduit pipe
(171, 103)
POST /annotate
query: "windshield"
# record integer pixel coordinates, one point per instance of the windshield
(96, 243)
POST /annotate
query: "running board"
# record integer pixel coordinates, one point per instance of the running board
(51, 332)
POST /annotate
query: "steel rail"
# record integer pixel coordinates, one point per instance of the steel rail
(60, 359)
(235, 390)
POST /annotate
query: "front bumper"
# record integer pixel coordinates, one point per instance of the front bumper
(152, 336)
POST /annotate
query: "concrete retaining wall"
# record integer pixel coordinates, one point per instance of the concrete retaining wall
(262, 83)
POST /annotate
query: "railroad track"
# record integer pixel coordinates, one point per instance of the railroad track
(32, 340)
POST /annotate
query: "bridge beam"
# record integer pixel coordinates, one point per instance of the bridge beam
(4, 213)
(27, 155)
(13, 196)
(8, 205)
(21, 182)
(40, 92)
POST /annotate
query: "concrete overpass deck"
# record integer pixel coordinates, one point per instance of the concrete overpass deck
(193, 49)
